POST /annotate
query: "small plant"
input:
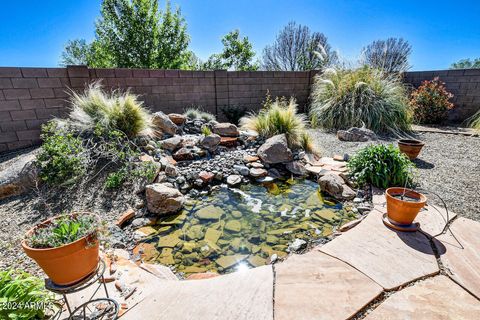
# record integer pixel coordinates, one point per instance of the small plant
(62, 158)
(206, 131)
(64, 230)
(196, 113)
(342, 99)
(23, 296)
(383, 166)
(430, 102)
(307, 143)
(234, 113)
(147, 170)
(116, 179)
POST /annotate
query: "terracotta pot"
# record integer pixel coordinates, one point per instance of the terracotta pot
(69, 263)
(401, 211)
(410, 147)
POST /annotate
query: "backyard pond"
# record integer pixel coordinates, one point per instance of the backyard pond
(234, 229)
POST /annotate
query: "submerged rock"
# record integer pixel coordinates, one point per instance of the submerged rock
(233, 226)
(163, 199)
(275, 150)
(209, 213)
(228, 261)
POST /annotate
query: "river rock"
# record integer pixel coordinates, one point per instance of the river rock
(226, 129)
(356, 135)
(171, 171)
(275, 150)
(177, 118)
(234, 180)
(336, 187)
(296, 167)
(163, 199)
(258, 172)
(243, 170)
(184, 154)
(17, 175)
(163, 123)
(172, 143)
(210, 142)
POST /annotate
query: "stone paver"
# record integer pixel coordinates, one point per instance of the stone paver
(240, 295)
(436, 298)
(462, 261)
(433, 218)
(317, 286)
(388, 257)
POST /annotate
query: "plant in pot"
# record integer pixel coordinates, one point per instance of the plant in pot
(403, 206)
(66, 247)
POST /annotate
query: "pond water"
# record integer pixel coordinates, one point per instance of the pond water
(233, 229)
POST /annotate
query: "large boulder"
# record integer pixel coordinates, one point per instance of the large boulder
(177, 118)
(162, 199)
(210, 142)
(226, 129)
(19, 174)
(356, 135)
(275, 150)
(163, 124)
(335, 186)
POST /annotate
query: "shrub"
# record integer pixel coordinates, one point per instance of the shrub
(94, 109)
(195, 114)
(116, 179)
(277, 117)
(430, 102)
(234, 113)
(62, 158)
(342, 99)
(381, 165)
(22, 289)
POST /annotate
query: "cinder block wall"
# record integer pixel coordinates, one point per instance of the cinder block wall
(30, 97)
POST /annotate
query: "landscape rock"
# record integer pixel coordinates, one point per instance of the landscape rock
(127, 215)
(228, 142)
(243, 170)
(297, 168)
(163, 199)
(258, 172)
(17, 175)
(275, 150)
(172, 143)
(226, 129)
(210, 142)
(356, 135)
(206, 176)
(234, 180)
(177, 118)
(184, 154)
(297, 245)
(336, 187)
(163, 123)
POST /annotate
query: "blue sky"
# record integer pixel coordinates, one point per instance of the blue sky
(33, 32)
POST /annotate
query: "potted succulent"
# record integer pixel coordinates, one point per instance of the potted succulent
(403, 205)
(410, 147)
(65, 246)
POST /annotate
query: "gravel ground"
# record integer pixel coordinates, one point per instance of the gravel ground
(449, 165)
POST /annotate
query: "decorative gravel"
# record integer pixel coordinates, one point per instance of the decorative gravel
(449, 165)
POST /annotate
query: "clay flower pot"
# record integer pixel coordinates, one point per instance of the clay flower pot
(403, 212)
(410, 147)
(69, 263)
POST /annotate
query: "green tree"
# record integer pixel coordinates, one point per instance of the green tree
(466, 64)
(237, 54)
(134, 34)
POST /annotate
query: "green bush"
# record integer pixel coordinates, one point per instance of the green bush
(383, 166)
(62, 158)
(195, 113)
(94, 109)
(64, 230)
(116, 179)
(342, 99)
(18, 288)
(430, 102)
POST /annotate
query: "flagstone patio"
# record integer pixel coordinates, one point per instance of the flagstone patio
(367, 272)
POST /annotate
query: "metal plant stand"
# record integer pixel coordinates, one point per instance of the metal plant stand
(101, 308)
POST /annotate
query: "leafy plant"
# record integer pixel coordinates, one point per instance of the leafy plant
(116, 179)
(430, 102)
(147, 170)
(196, 113)
(64, 230)
(62, 158)
(26, 294)
(94, 109)
(234, 113)
(383, 166)
(206, 131)
(342, 99)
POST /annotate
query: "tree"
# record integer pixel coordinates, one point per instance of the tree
(466, 64)
(237, 54)
(389, 55)
(296, 48)
(134, 34)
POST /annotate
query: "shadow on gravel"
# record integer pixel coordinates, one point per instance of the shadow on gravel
(423, 164)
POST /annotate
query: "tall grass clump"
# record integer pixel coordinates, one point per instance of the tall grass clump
(96, 110)
(343, 98)
(194, 113)
(474, 121)
(280, 117)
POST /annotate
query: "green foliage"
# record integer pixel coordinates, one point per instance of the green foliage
(64, 230)
(474, 121)
(116, 179)
(147, 170)
(195, 113)
(277, 117)
(134, 34)
(206, 131)
(430, 102)
(390, 56)
(466, 64)
(234, 113)
(18, 288)
(62, 158)
(237, 54)
(383, 166)
(94, 109)
(342, 99)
